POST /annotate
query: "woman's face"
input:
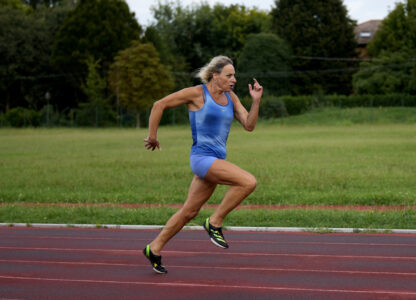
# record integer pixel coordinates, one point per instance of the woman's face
(226, 79)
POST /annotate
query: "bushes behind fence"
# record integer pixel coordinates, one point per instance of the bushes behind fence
(271, 107)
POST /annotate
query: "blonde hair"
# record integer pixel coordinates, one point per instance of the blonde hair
(214, 66)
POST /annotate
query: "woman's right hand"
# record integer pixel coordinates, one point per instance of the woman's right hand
(150, 143)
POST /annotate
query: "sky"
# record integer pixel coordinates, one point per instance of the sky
(359, 10)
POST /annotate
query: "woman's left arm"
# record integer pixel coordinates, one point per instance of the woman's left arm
(249, 119)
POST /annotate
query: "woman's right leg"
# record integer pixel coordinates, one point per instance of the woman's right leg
(241, 183)
(199, 193)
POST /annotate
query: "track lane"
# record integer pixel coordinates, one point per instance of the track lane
(260, 265)
(208, 275)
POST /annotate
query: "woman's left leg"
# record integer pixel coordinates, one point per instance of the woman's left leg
(199, 193)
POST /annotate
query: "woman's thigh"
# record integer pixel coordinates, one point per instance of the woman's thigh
(224, 172)
(199, 193)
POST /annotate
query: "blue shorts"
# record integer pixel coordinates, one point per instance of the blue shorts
(200, 164)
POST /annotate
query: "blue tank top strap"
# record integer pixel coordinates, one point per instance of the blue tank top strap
(228, 96)
(204, 91)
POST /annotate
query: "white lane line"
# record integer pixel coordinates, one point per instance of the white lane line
(260, 242)
(135, 252)
(18, 261)
(376, 257)
(230, 228)
(214, 286)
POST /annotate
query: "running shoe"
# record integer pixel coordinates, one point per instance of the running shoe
(155, 260)
(215, 234)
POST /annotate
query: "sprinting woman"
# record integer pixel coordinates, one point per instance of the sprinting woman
(212, 107)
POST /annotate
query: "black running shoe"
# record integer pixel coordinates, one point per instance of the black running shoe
(215, 234)
(155, 260)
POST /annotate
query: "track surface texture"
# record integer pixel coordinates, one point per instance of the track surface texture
(69, 263)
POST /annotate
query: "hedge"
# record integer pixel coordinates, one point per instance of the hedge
(296, 105)
(271, 107)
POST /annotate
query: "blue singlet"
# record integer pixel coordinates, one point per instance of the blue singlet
(210, 128)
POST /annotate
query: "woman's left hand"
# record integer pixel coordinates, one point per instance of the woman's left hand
(256, 91)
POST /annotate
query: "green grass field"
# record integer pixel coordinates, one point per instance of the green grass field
(345, 162)
(14, 213)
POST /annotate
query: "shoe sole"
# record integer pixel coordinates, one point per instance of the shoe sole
(159, 272)
(213, 241)
(218, 245)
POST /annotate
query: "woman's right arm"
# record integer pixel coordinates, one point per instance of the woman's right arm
(184, 96)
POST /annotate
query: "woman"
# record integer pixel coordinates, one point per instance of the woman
(212, 107)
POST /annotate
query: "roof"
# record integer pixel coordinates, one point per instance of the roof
(364, 32)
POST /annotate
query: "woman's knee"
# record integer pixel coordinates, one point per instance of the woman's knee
(250, 182)
(189, 214)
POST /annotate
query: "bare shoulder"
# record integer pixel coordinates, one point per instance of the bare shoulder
(188, 96)
(192, 92)
(194, 95)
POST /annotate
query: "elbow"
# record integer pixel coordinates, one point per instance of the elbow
(157, 110)
(158, 106)
(250, 127)
(250, 123)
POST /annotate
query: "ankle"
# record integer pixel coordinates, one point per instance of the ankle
(155, 250)
(215, 222)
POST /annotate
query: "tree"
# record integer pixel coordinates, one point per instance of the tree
(318, 32)
(14, 4)
(393, 65)
(97, 110)
(138, 78)
(97, 29)
(397, 31)
(46, 3)
(24, 56)
(26, 41)
(389, 73)
(270, 68)
(199, 32)
(167, 57)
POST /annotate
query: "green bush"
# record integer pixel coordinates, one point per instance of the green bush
(22, 117)
(390, 100)
(95, 115)
(49, 116)
(296, 105)
(272, 107)
(3, 121)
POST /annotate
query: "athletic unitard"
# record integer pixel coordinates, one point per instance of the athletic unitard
(210, 128)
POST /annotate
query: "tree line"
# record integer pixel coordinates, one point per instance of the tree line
(91, 62)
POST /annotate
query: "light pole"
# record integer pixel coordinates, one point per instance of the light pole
(47, 97)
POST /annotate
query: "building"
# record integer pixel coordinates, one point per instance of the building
(364, 32)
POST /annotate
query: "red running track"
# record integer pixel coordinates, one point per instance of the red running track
(64, 263)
